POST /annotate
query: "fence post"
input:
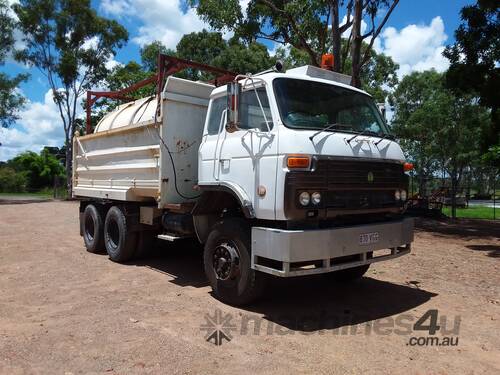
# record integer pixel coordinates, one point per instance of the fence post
(494, 197)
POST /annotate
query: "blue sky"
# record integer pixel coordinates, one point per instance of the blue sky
(414, 37)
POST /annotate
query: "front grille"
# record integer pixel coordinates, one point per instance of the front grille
(363, 199)
(349, 173)
(346, 184)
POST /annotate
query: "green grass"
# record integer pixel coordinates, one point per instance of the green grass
(474, 212)
(44, 193)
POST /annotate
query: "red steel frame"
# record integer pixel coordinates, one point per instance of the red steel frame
(167, 65)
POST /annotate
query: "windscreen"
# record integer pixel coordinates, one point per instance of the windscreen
(314, 105)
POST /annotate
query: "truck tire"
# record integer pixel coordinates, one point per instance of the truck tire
(120, 241)
(226, 258)
(349, 274)
(93, 229)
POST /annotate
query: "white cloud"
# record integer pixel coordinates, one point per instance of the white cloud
(93, 43)
(376, 44)
(346, 33)
(19, 43)
(116, 8)
(416, 47)
(162, 20)
(39, 125)
(273, 48)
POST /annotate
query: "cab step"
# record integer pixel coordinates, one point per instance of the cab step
(171, 237)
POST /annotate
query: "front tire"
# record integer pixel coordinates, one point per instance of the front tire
(227, 263)
(120, 241)
(349, 274)
(93, 229)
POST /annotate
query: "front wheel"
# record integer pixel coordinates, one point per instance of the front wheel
(228, 266)
(349, 274)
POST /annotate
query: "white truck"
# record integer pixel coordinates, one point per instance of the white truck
(280, 173)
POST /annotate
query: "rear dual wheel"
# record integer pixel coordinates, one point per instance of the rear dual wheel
(93, 229)
(119, 240)
(112, 232)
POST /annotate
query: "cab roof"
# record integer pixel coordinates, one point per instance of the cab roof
(307, 73)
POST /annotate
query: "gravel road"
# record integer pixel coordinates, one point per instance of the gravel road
(66, 311)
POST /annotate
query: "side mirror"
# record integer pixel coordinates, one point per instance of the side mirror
(233, 106)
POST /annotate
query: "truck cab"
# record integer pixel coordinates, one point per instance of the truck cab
(314, 171)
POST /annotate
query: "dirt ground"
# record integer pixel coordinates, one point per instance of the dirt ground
(66, 311)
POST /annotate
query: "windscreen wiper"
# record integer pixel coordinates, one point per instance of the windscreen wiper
(330, 126)
(385, 136)
(364, 132)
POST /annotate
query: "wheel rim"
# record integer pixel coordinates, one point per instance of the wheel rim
(90, 227)
(226, 261)
(114, 233)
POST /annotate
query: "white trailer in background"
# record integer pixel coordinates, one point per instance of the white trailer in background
(278, 173)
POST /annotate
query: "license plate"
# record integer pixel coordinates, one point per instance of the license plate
(368, 238)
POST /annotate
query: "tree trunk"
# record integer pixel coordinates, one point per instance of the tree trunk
(453, 194)
(422, 191)
(356, 44)
(336, 37)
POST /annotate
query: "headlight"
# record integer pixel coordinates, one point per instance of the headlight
(316, 198)
(403, 195)
(397, 195)
(304, 198)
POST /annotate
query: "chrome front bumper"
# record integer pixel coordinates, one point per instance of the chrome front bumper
(303, 252)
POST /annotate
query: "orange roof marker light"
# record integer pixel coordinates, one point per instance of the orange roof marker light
(327, 61)
(407, 166)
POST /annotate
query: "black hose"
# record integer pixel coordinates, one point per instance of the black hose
(171, 158)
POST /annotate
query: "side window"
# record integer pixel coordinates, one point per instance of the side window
(251, 116)
(218, 106)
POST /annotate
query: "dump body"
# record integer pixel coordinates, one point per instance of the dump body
(126, 158)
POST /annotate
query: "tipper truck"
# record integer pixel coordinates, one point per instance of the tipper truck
(277, 174)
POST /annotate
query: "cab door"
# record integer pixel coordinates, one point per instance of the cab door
(247, 157)
(208, 172)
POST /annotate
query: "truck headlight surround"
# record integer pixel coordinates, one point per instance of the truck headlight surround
(316, 198)
(397, 195)
(304, 198)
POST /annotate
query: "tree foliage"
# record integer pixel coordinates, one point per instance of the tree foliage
(6, 30)
(206, 47)
(475, 59)
(149, 55)
(437, 128)
(70, 44)
(311, 26)
(378, 75)
(11, 181)
(38, 170)
(244, 58)
(10, 98)
(210, 48)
